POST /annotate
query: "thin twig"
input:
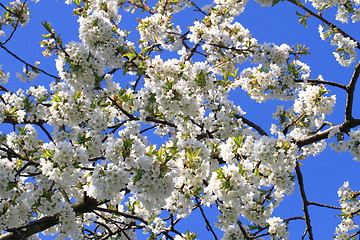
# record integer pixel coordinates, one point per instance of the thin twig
(155, 120)
(317, 81)
(207, 222)
(305, 202)
(27, 64)
(324, 205)
(147, 129)
(16, 26)
(198, 8)
(131, 117)
(121, 214)
(46, 132)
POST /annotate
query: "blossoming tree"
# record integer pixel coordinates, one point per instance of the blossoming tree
(81, 160)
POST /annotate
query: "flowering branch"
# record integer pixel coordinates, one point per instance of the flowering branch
(28, 64)
(16, 24)
(86, 205)
(321, 18)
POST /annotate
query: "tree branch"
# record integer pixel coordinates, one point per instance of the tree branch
(344, 127)
(27, 64)
(321, 18)
(16, 25)
(208, 225)
(324, 205)
(31, 228)
(88, 204)
(305, 202)
(121, 214)
(253, 125)
(317, 81)
(243, 230)
(151, 119)
(350, 89)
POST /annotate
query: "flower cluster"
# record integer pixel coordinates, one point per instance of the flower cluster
(345, 53)
(252, 164)
(350, 205)
(345, 9)
(158, 29)
(352, 144)
(4, 77)
(277, 228)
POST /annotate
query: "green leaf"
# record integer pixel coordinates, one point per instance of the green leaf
(241, 170)
(256, 172)
(131, 56)
(274, 2)
(190, 235)
(18, 163)
(47, 26)
(226, 75)
(56, 98)
(77, 95)
(77, 2)
(139, 175)
(47, 153)
(239, 140)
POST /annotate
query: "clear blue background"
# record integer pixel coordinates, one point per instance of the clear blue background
(323, 174)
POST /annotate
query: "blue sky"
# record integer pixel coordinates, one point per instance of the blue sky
(323, 174)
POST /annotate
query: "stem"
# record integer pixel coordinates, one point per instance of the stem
(344, 127)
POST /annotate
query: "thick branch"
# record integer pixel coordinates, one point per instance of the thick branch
(86, 205)
(350, 89)
(243, 230)
(30, 229)
(151, 119)
(344, 127)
